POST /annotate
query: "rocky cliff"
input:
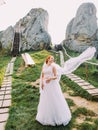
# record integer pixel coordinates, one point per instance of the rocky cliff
(34, 31)
(82, 31)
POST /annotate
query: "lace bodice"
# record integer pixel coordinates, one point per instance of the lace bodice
(47, 70)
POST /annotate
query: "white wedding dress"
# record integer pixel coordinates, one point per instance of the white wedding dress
(53, 108)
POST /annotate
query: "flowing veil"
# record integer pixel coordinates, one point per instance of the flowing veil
(73, 63)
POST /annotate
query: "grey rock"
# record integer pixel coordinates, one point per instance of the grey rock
(85, 22)
(34, 30)
(97, 35)
(75, 45)
(7, 38)
(69, 30)
(82, 30)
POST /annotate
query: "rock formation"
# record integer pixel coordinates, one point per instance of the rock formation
(34, 32)
(7, 37)
(82, 31)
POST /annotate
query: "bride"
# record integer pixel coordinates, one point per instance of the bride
(53, 108)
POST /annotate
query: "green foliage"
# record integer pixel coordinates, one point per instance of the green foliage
(84, 111)
(70, 102)
(88, 119)
(3, 64)
(87, 126)
(96, 121)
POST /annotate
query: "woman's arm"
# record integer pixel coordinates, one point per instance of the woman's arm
(42, 85)
(54, 77)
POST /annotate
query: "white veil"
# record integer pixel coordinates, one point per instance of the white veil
(73, 63)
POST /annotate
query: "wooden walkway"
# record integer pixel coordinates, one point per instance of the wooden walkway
(5, 94)
(93, 91)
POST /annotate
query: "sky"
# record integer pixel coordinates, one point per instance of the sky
(60, 13)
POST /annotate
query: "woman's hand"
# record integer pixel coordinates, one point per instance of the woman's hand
(42, 86)
(48, 80)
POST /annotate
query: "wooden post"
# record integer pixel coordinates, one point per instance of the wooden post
(86, 70)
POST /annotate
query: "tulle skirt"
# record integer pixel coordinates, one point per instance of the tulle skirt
(53, 108)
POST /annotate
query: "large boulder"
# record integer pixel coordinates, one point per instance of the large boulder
(82, 30)
(7, 38)
(97, 34)
(34, 30)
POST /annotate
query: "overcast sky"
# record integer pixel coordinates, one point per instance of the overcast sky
(60, 13)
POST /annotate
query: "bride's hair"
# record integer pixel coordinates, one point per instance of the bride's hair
(48, 57)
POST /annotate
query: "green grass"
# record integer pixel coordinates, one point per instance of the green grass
(90, 74)
(87, 126)
(4, 59)
(84, 111)
(88, 123)
(70, 102)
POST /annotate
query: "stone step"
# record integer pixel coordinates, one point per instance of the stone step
(1, 102)
(86, 87)
(93, 91)
(6, 85)
(2, 89)
(4, 110)
(4, 117)
(8, 88)
(2, 125)
(79, 81)
(2, 93)
(6, 82)
(7, 97)
(8, 92)
(83, 84)
(1, 97)
(6, 104)
(9, 78)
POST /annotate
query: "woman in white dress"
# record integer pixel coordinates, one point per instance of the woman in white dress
(53, 108)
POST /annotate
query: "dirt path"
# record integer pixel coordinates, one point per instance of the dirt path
(82, 102)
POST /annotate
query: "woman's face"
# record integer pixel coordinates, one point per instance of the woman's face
(51, 60)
